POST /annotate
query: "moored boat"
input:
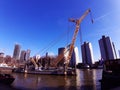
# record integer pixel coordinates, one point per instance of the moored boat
(46, 72)
(111, 70)
(6, 79)
(111, 73)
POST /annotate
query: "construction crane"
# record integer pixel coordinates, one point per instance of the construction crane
(77, 22)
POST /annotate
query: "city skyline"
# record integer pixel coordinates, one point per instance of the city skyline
(35, 24)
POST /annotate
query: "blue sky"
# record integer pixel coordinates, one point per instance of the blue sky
(40, 24)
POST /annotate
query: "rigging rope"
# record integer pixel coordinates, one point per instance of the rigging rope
(52, 43)
(80, 33)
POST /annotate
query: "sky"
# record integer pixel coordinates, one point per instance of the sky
(42, 25)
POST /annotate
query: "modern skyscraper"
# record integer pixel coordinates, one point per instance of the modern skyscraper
(61, 51)
(107, 48)
(75, 57)
(27, 57)
(87, 53)
(16, 51)
(23, 55)
(1, 54)
(119, 53)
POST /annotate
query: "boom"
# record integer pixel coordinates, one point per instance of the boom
(78, 22)
(71, 47)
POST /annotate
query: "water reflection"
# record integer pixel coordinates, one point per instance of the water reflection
(44, 81)
(85, 80)
(88, 79)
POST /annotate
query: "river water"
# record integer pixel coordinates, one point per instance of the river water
(86, 79)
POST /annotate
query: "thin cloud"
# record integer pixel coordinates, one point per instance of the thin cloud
(103, 16)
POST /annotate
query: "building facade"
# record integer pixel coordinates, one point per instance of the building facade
(1, 54)
(22, 55)
(27, 57)
(61, 51)
(87, 53)
(75, 57)
(16, 51)
(107, 48)
(119, 53)
(1, 57)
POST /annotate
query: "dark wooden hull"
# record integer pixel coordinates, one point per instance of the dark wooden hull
(6, 79)
(110, 80)
(47, 72)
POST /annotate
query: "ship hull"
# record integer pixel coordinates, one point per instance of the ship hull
(6, 79)
(47, 72)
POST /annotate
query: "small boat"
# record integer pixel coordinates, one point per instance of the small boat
(6, 79)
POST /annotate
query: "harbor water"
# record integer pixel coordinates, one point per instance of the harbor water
(86, 79)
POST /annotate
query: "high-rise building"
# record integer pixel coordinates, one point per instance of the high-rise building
(16, 51)
(75, 57)
(23, 55)
(1, 57)
(119, 53)
(27, 57)
(87, 53)
(107, 48)
(1, 54)
(61, 51)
